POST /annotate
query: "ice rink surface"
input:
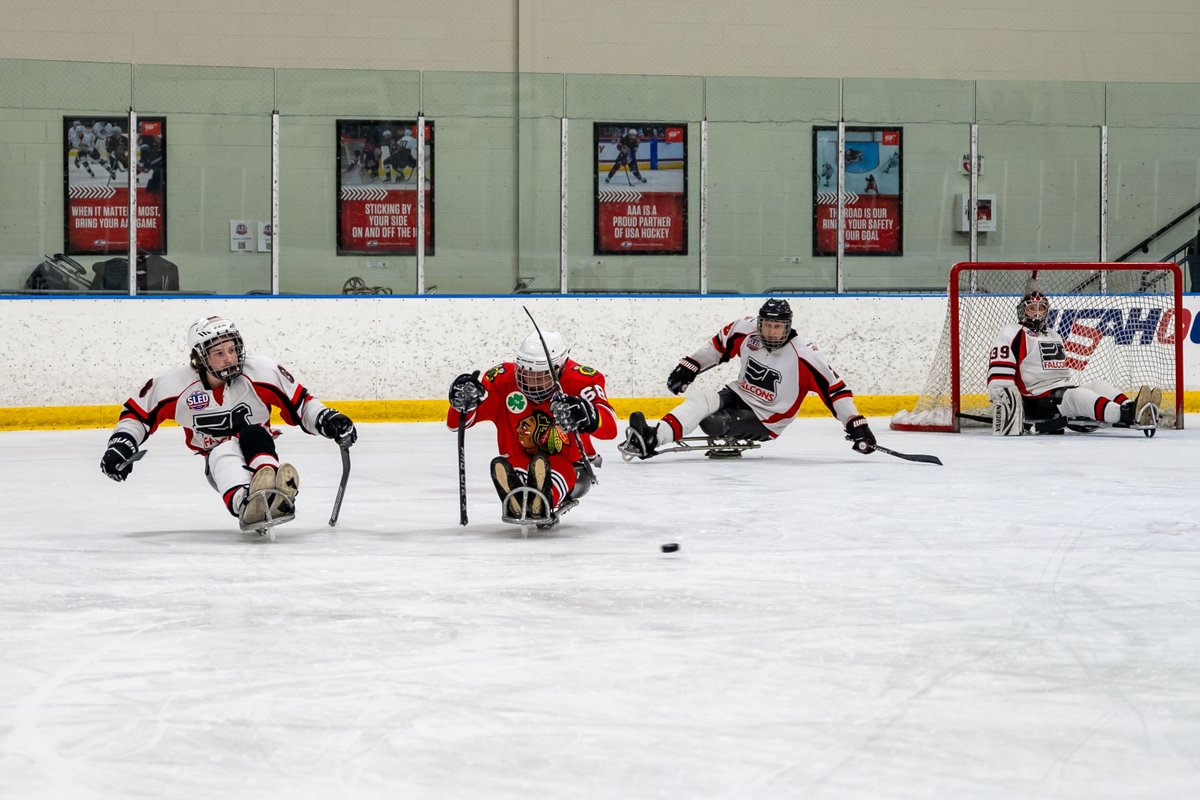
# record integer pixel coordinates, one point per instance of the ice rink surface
(1023, 622)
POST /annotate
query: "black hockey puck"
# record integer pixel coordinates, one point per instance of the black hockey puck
(670, 547)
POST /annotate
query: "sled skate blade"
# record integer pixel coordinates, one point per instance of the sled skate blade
(556, 515)
(276, 508)
(634, 446)
(715, 447)
(521, 499)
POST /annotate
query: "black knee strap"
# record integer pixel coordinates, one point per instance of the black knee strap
(255, 440)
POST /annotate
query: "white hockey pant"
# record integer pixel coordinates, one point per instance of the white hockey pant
(1081, 401)
(697, 406)
(227, 473)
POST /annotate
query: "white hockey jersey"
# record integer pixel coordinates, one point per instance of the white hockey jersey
(774, 382)
(1036, 363)
(210, 416)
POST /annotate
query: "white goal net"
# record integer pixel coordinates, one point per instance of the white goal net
(1120, 322)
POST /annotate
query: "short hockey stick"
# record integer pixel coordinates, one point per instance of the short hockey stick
(587, 462)
(337, 502)
(462, 469)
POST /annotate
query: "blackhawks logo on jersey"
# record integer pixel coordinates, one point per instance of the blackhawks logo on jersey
(537, 433)
(585, 371)
(494, 371)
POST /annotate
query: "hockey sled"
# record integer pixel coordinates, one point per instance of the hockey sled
(526, 496)
(265, 527)
(712, 446)
(1055, 425)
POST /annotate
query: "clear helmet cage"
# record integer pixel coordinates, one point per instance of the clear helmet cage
(206, 333)
(534, 378)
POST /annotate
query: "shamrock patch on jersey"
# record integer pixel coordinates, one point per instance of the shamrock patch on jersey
(516, 402)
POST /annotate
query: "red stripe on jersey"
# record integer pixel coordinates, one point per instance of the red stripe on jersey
(272, 395)
(732, 348)
(1020, 349)
(1098, 408)
(162, 412)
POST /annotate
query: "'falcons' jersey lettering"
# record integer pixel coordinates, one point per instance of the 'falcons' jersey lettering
(760, 380)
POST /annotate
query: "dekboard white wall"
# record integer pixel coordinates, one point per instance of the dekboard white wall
(97, 351)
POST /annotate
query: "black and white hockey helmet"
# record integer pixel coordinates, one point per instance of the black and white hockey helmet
(534, 378)
(775, 310)
(1033, 311)
(206, 333)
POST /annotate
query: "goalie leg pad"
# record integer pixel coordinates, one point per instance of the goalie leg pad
(1008, 413)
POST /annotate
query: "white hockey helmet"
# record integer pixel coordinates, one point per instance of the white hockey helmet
(534, 378)
(207, 332)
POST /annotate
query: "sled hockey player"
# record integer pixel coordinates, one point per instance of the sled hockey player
(539, 430)
(778, 370)
(1032, 389)
(223, 402)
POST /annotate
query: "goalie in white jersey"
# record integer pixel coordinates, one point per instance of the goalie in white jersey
(778, 371)
(223, 402)
(1033, 390)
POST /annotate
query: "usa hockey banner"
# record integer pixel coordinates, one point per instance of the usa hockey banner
(874, 186)
(377, 187)
(641, 188)
(96, 163)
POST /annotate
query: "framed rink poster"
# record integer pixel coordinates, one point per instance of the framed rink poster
(874, 216)
(377, 187)
(96, 161)
(640, 188)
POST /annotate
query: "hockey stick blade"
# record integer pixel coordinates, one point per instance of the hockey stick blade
(918, 457)
(138, 456)
(341, 492)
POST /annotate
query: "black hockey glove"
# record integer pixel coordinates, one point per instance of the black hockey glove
(115, 462)
(858, 431)
(337, 426)
(682, 376)
(466, 393)
(573, 413)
